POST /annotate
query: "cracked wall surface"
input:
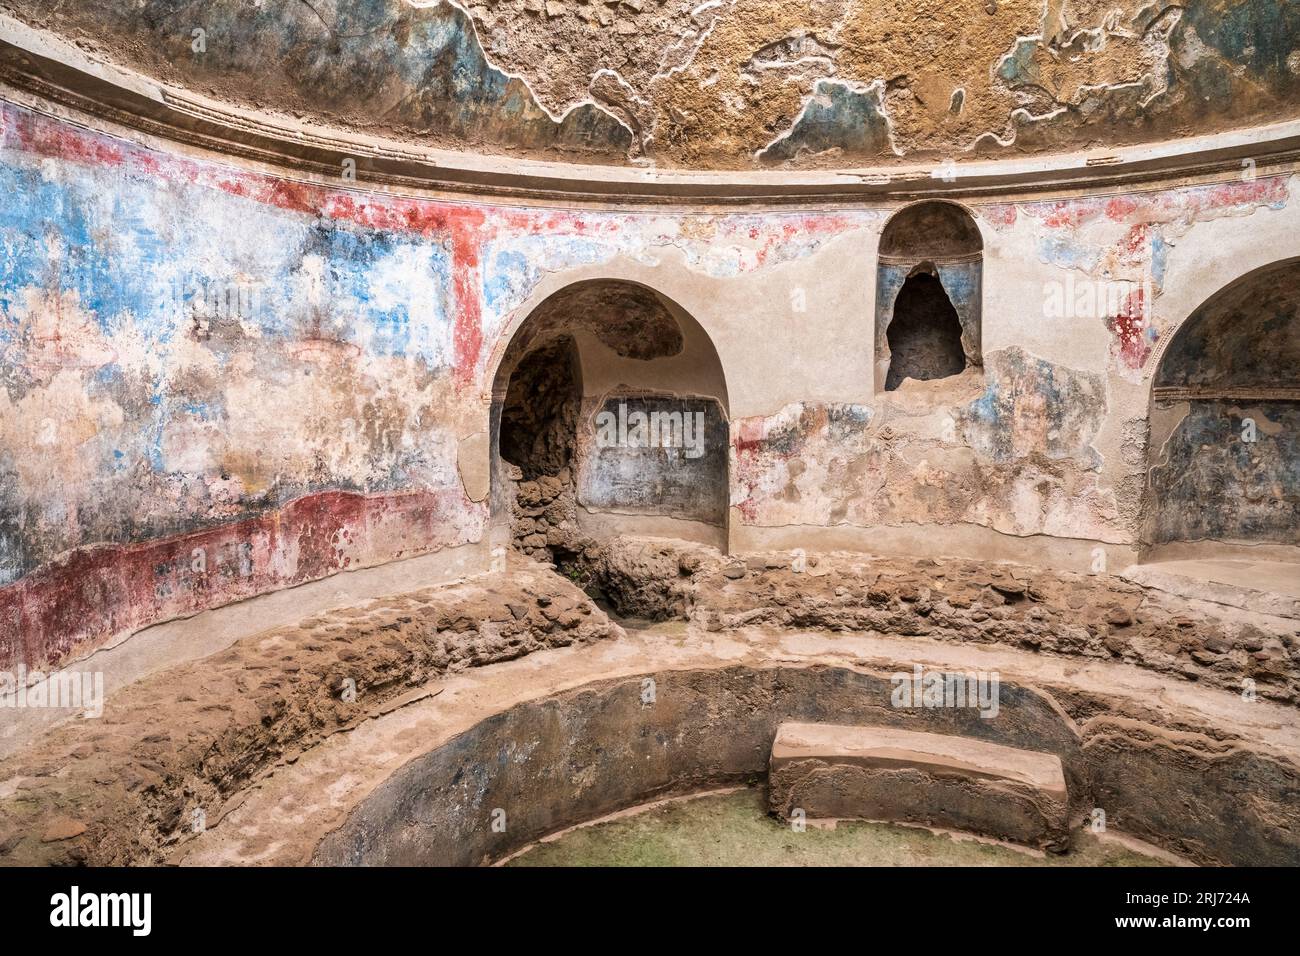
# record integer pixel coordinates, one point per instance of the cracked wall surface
(721, 83)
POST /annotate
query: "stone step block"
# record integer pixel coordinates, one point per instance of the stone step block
(831, 771)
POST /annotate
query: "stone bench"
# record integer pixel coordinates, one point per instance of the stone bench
(881, 773)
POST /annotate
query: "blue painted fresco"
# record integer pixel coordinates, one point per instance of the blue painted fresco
(837, 117)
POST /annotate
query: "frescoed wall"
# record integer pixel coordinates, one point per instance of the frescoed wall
(220, 380)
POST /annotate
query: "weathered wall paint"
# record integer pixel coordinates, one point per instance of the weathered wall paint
(1017, 459)
(382, 65)
(196, 364)
(633, 461)
(189, 351)
(732, 83)
(836, 120)
(218, 382)
(88, 595)
(1216, 480)
(1114, 254)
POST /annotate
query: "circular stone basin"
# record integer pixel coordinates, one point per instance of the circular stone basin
(547, 765)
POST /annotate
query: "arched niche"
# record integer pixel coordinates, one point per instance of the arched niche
(929, 292)
(609, 416)
(1224, 440)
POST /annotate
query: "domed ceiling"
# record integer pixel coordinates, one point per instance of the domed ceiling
(719, 84)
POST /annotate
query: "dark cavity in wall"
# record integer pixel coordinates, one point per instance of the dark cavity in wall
(538, 431)
(664, 455)
(929, 291)
(539, 419)
(625, 317)
(925, 332)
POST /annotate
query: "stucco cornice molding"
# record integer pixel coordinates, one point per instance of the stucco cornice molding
(50, 74)
(1252, 393)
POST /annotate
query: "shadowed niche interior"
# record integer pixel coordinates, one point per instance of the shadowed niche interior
(925, 334)
(540, 416)
(929, 281)
(611, 415)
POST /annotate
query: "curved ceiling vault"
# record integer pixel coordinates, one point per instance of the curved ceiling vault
(736, 84)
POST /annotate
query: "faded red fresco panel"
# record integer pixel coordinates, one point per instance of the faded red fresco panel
(75, 604)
